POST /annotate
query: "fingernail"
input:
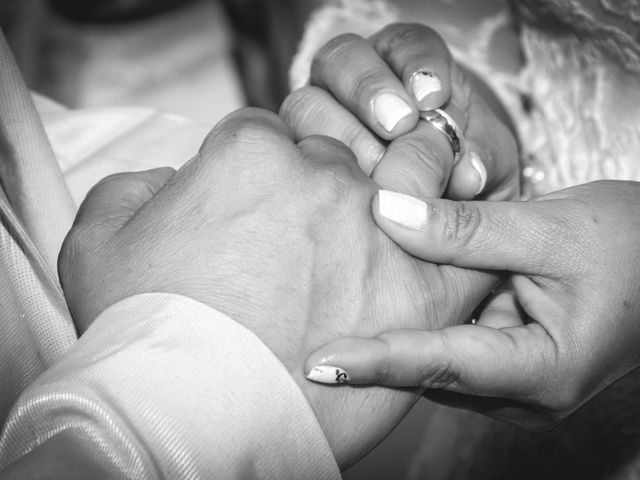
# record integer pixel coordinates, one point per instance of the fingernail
(389, 109)
(328, 374)
(480, 169)
(404, 210)
(371, 160)
(424, 84)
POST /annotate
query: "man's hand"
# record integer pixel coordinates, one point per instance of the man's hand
(279, 236)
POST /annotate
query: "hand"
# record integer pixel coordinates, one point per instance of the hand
(368, 94)
(279, 236)
(568, 326)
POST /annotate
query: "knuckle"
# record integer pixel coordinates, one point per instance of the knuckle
(442, 373)
(250, 131)
(405, 179)
(333, 183)
(251, 143)
(366, 86)
(244, 126)
(463, 221)
(398, 35)
(335, 50)
(298, 105)
(384, 371)
(430, 160)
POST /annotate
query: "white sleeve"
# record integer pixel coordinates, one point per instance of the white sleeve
(162, 386)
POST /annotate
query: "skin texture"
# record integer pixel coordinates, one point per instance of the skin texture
(563, 329)
(279, 236)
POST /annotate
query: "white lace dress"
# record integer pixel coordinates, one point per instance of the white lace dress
(568, 72)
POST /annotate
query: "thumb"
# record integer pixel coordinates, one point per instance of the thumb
(466, 359)
(513, 236)
(114, 199)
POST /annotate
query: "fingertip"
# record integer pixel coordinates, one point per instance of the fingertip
(400, 209)
(468, 178)
(328, 375)
(428, 89)
(393, 113)
(480, 170)
(346, 360)
(404, 219)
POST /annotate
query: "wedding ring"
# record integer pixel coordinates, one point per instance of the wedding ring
(447, 125)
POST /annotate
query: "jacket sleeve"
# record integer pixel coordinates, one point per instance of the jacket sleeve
(162, 386)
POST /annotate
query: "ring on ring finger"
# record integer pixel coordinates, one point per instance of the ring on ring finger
(445, 123)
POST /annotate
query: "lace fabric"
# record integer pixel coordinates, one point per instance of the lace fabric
(612, 26)
(582, 120)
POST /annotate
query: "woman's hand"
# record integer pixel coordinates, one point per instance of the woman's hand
(567, 327)
(368, 93)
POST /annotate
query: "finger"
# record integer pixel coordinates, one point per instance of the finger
(421, 161)
(323, 151)
(418, 163)
(313, 111)
(249, 151)
(502, 311)
(525, 237)
(468, 178)
(113, 200)
(469, 359)
(247, 126)
(491, 163)
(359, 79)
(419, 56)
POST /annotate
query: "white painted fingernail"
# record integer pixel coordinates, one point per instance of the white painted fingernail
(423, 84)
(389, 109)
(480, 169)
(328, 374)
(404, 210)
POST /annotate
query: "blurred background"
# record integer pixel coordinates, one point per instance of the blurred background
(197, 58)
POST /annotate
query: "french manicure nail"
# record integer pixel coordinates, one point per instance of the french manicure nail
(404, 210)
(328, 374)
(389, 109)
(480, 169)
(424, 83)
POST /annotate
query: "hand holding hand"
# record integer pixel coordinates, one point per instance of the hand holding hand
(368, 93)
(277, 235)
(568, 327)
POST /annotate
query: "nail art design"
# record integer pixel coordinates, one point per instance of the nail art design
(328, 374)
(404, 210)
(425, 83)
(389, 109)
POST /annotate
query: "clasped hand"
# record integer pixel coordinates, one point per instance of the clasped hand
(273, 228)
(279, 236)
